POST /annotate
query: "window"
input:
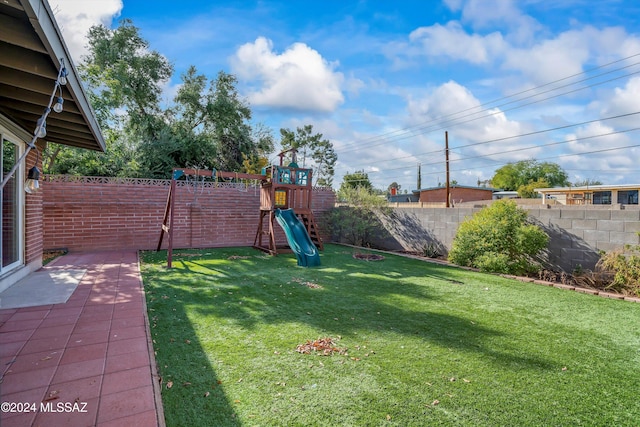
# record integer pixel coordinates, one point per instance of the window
(628, 197)
(602, 197)
(11, 207)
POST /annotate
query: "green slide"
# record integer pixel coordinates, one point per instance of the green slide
(298, 238)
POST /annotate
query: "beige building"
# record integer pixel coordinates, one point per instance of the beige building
(626, 194)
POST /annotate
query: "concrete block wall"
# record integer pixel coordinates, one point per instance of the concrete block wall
(89, 214)
(577, 233)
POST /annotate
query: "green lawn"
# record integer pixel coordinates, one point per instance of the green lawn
(426, 345)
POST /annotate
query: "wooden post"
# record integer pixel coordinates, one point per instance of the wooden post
(446, 155)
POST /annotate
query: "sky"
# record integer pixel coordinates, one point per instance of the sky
(389, 82)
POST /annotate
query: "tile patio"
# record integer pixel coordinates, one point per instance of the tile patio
(85, 362)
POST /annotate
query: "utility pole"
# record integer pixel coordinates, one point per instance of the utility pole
(446, 156)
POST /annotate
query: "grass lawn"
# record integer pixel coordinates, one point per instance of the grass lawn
(426, 345)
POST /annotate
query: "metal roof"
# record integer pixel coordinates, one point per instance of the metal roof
(32, 53)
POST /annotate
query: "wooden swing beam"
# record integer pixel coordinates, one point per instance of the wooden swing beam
(167, 221)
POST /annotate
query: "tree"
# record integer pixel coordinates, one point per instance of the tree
(499, 239)
(124, 79)
(357, 222)
(313, 147)
(230, 123)
(206, 126)
(123, 73)
(394, 185)
(513, 176)
(355, 180)
(527, 191)
(587, 182)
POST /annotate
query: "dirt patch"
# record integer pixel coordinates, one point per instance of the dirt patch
(368, 257)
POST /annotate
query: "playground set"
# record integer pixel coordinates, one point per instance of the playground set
(285, 198)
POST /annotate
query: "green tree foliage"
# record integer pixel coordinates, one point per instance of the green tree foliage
(587, 182)
(313, 148)
(206, 126)
(355, 180)
(230, 124)
(123, 73)
(121, 159)
(356, 221)
(498, 239)
(516, 176)
(527, 191)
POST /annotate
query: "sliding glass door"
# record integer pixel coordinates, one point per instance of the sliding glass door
(10, 207)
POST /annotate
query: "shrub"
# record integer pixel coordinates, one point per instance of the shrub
(357, 222)
(624, 266)
(499, 239)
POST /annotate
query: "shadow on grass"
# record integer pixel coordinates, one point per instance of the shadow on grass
(353, 297)
(187, 373)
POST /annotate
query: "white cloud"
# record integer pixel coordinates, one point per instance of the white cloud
(551, 59)
(76, 17)
(624, 100)
(299, 78)
(452, 41)
(601, 152)
(453, 105)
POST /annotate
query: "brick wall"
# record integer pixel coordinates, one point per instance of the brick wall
(88, 214)
(457, 194)
(33, 216)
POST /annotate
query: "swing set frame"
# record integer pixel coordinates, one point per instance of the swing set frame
(168, 218)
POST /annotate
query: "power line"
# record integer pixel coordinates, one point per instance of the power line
(432, 122)
(444, 125)
(506, 138)
(544, 158)
(543, 145)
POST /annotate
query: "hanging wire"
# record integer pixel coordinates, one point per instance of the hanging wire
(40, 130)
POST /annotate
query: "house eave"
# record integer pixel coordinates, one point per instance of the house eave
(33, 51)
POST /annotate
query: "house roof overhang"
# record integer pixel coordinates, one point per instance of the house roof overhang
(32, 53)
(586, 188)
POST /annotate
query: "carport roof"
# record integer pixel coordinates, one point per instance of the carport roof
(32, 53)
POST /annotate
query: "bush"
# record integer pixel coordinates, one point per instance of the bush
(624, 266)
(499, 239)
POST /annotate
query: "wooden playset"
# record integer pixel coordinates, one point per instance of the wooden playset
(281, 187)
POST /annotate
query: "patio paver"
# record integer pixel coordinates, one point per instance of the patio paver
(85, 362)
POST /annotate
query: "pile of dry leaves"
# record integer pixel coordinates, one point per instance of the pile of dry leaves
(307, 284)
(321, 346)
